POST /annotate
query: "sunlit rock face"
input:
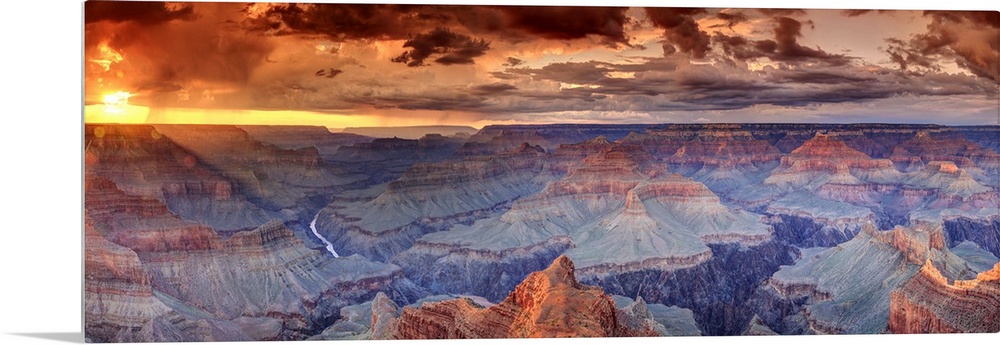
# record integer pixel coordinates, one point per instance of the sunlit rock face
(931, 303)
(547, 304)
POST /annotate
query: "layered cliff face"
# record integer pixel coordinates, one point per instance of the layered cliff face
(432, 197)
(547, 304)
(931, 303)
(264, 277)
(623, 232)
(949, 145)
(118, 297)
(846, 289)
(289, 184)
(496, 138)
(144, 162)
(818, 161)
(725, 159)
(300, 137)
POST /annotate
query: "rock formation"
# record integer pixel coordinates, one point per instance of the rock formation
(931, 303)
(547, 304)
(846, 289)
(431, 197)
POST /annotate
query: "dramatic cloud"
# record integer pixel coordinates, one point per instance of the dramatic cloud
(784, 47)
(732, 18)
(149, 13)
(536, 64)
(854, 13)
(681, 29)
(337, 21)
(159, 59)
(453, 48)
(494, 88)
(562, 23)
(781, 12)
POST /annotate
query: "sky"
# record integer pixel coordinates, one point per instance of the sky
(349, 65)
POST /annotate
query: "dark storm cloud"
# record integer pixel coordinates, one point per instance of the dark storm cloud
(787, 32)
(988, 18)
(570, 72)
(513, 62)
(781, 12)
(442, 100)
(740, 47)
(969, 38)
(732, 18)
(494, 88)
(681, 29)
(784, 47)
(562, 23)
(854, 13)
(515, 23)
(661, 84)
(342, 21)
(453, 48)
(329, 73)
(148, 13)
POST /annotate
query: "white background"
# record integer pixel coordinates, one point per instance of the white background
(41, 169)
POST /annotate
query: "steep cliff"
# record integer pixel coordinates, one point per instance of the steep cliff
(931, 303)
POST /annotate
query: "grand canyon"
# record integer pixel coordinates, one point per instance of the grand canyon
(320, 171)
(221, 232)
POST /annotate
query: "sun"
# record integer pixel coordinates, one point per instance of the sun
(116, 102)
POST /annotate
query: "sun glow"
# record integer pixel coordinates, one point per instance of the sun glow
(116, 102)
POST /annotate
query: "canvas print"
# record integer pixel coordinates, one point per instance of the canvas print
(283, 171)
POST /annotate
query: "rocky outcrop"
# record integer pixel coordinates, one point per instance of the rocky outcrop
(929, 303)
(547, 304)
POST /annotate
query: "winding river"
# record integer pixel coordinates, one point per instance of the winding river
(329, 246)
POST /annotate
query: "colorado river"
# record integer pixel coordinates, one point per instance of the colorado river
(329, 246)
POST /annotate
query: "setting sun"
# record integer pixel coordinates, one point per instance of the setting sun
(116, 102)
